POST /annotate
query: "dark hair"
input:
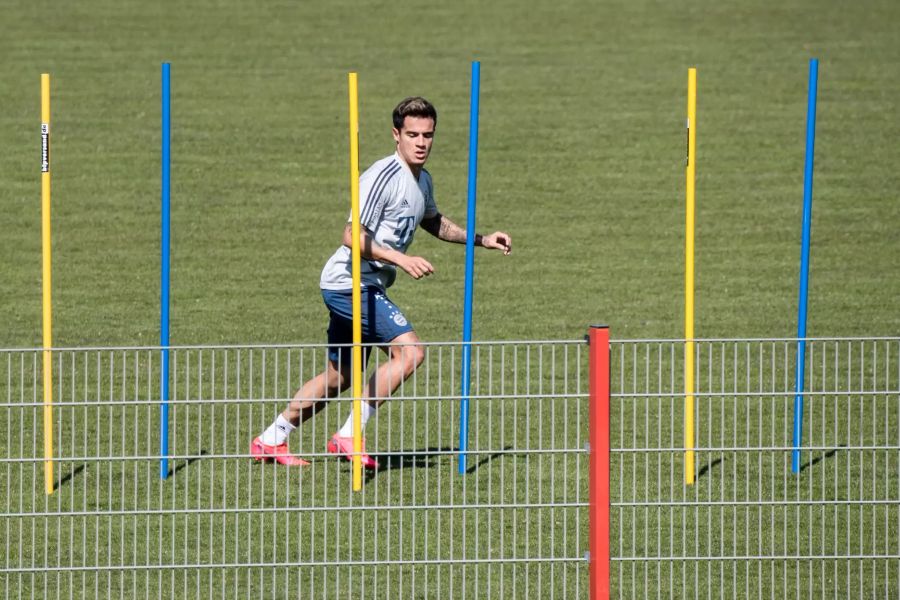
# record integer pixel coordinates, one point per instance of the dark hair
(414, 106)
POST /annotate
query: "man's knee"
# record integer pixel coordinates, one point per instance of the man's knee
(337, 379)
(413, 356)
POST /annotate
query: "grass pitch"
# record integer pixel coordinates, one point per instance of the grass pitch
(581, 161)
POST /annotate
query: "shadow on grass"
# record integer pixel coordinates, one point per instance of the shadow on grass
(709, 466)
(820, 458)
(186, 463)
(485, 460)
(68, 477)
(424, 458)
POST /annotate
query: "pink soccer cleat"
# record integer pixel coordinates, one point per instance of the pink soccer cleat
(344, 446)
(280, 454)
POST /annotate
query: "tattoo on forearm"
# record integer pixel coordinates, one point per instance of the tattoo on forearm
(451, 232)
(444, 229)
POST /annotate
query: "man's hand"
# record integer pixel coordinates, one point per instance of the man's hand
(416, 266)
(497, 241)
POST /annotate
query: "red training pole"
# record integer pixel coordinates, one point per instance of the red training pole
(598, 467)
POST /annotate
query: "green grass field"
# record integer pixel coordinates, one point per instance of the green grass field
(581, 160)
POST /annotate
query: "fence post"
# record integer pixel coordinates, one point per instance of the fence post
(598, 476)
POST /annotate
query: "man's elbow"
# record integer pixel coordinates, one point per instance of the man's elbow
(432, 225)
(348, 236)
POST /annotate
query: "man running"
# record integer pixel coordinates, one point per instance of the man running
(397, 197)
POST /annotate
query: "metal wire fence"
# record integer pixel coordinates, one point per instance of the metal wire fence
(748, 527)
(223, 526)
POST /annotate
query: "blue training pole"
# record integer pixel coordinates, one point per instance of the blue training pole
(470, 269)
(804, 264)
(164, 275)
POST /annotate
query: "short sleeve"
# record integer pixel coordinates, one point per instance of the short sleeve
(431, 210)
(375, 189)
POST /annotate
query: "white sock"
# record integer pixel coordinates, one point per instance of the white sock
(277, 432)
(368, 411)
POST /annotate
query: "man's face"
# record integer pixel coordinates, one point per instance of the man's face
(414, 140)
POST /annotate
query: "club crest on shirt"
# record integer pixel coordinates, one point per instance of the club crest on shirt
(399, 319)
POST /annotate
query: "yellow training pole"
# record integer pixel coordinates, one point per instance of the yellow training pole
(689, 281)
(47, 322)
(357, 292)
